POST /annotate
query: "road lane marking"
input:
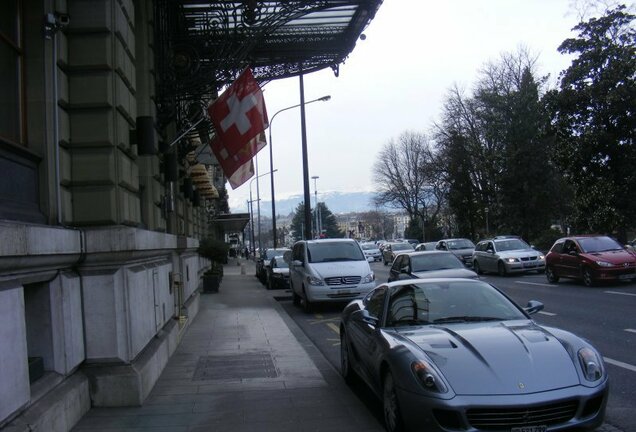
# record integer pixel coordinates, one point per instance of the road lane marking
(630, 330)
(547, 313)
(334, 327)
(534, 283)
(621, 293)
(620, 364)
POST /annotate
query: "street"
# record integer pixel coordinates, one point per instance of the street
(604, 315)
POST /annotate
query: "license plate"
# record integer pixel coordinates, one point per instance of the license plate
(344, 291)
(529, 429)
(628, 276)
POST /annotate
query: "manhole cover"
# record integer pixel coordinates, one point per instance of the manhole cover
(248, 365)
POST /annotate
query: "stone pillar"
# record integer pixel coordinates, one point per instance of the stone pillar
(102, 111)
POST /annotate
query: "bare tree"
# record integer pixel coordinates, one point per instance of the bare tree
(398, 175)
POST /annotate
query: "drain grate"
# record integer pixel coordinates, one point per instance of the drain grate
(247, 365)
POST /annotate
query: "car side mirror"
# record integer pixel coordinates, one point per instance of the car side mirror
(364, 316)
(533, 307)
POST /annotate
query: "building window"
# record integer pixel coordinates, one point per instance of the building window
(11, 57)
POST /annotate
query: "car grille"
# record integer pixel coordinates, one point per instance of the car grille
(343, 280)
(505, 418)
(532, 258)
(343, 295)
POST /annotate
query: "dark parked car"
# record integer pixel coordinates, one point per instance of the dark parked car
(277, 273)
(591, 259)
(263, 261)
(392, 249)
(458, 355)
(461, 247)
(428, 264)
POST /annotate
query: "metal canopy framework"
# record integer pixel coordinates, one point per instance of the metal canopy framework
(201, 46)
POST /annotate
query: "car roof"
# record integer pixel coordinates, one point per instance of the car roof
(330, 240)
(427, 252)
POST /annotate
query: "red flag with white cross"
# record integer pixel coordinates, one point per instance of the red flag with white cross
(238, 116)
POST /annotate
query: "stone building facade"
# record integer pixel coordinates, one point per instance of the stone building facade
(99, 273)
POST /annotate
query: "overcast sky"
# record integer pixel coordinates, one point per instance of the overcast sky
(396, 80)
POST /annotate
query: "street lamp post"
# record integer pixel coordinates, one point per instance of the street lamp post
(317, 227)
(258, 200)
(271, 157)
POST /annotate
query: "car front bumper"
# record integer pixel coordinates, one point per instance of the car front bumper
(326, 293)
(464, 412)
(524, 266)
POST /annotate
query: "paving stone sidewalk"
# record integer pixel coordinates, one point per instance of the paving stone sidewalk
(243, 365)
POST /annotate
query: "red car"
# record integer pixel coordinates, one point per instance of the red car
(591, 259)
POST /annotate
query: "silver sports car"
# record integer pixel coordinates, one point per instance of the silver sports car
(459, 355)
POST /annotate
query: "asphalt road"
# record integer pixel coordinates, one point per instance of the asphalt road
(604, 315)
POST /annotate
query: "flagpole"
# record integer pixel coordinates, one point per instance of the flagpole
(258, 203)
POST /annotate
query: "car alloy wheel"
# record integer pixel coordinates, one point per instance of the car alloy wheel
(345, 361)
(501, 269)
(391, 406)
(550, 276)
(587, 277)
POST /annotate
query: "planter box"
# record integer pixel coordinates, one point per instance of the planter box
(211, 283)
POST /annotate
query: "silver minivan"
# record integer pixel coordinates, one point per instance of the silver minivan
(328, 270)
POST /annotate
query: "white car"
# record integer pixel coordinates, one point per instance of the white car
(328, 270)
(371, 250)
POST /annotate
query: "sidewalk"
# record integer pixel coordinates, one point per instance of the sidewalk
(243, 365)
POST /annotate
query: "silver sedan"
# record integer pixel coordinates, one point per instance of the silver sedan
(457, 354)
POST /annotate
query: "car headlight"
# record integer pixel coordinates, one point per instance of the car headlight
(368, 278)
(541, 257)
(604, 264)
(591, 364)
(311, 280)
(512, 260)
(428, 377)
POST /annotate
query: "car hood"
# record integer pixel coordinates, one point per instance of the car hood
(615, 257)
(341, 268)
(518, 253)
(453, 273)
(503, 358)
(281, 270)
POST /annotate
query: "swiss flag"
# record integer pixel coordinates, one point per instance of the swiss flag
(239, 168)
(238, 116)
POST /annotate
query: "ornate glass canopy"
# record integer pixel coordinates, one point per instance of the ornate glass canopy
(201, 46)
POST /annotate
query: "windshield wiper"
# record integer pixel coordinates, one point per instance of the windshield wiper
(453, 319)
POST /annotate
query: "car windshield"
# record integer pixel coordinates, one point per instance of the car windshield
(435, 261)
(334, 251)
(279, 263)
(511, 244)
(271, 253)
(426, 303)
(460, 244)
(598, 244)
(401, 246)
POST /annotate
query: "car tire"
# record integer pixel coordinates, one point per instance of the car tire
(295, 297)
(586, 275)
(478, 269)
(391, 406)
(501, 269)
(347, 372)
(550, 276)
(305, 303)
